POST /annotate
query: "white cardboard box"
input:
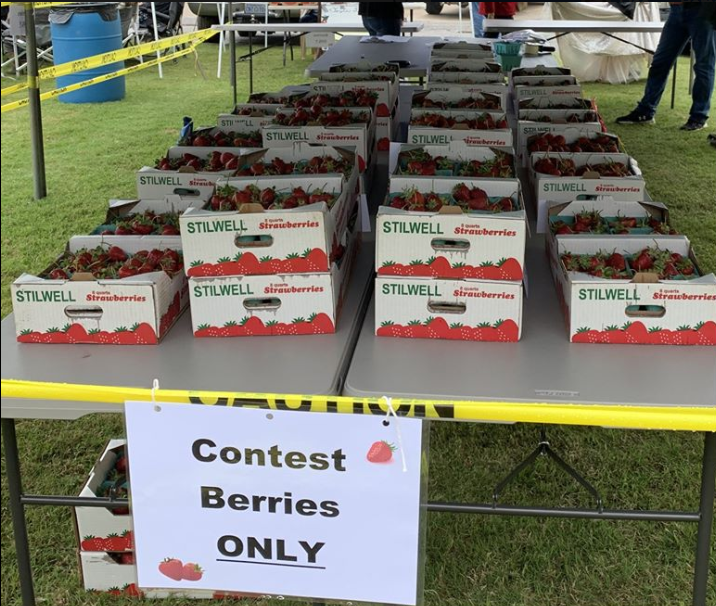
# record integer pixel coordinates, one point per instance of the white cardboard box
(242, 242)
(119, 209)
(298, 304)
(359, 135)
(606, 206)
(98, 522)
(657, 312)
(104, 573)
(132, 311)
(453, 95)
(456, 151)
(426, 135)
(564, 189)
(464, 310)
(528, 126)
(258, 119)
(154, 184)
(452, 244)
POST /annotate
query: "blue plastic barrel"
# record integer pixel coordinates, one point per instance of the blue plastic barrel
(84, 30)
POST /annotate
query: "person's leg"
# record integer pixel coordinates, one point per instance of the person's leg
(703, 42)
(391, 27)
(369, 24)
(673, 40)
(477, 20)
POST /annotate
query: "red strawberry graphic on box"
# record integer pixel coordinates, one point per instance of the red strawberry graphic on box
(172, 568)
(380, 452)
(192, 572)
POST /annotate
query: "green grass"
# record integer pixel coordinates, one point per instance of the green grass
(92, 154)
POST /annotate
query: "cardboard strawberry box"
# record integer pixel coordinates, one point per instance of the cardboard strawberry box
(568, 123)
(480, 71)
(661, 298)
(251, 239)
(386, 84)
(278, 305)
(453, 241)
(458, 99)
(150, 217)
(440, 127)
(343, 94)
(605, 216)
(359, 133)
(466, 88)
(73, 306)
(558, 138)
(250, 120)
(470, 79)
(596, 175)
(300, 159)
(100, 529)
(386, 89)
(116, 574)
(221, 137)
(539, 71)
(187, 172)
(453, 161)
(556, 102)
(460, 310)
(462, 50)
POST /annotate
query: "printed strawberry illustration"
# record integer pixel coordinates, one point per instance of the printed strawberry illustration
(172, 568)
(380, 452)
(192, 572)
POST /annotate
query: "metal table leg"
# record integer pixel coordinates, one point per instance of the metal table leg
(232, 41)
(251, 63)
(706, 510)
(17, 512)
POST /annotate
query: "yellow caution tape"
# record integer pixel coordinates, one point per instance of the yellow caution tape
(39, 4)
(16, 88)
(7, 107)
(80, 65)
(50, 4)
(626, 417)
(72, 67)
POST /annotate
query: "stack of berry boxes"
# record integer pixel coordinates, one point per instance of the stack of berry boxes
(623, 274)
(271, 252)
(460, 102)
(122, 285)
(105, 536)
(450, 245)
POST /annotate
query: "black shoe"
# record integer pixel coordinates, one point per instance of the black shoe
(636, 117)
(712, 139)
(695, 124)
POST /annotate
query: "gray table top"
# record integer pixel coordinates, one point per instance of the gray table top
(417, 50)
(542, 367)
(312, 364)
(350, 50)
(560, 26)
(407, 27)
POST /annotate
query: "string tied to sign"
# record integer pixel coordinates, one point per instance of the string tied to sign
(398, 435)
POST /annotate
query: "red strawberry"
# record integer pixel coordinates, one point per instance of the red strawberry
(170, 230)
(115, 253)
(172, 568)
(132, 590)
(706, 334)
(380, 452)
(126, 559)
(192, 572)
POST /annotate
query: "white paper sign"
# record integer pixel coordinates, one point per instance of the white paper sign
(320, 39)
(277, 503)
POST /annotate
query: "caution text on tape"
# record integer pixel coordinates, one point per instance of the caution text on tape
(671, 418)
